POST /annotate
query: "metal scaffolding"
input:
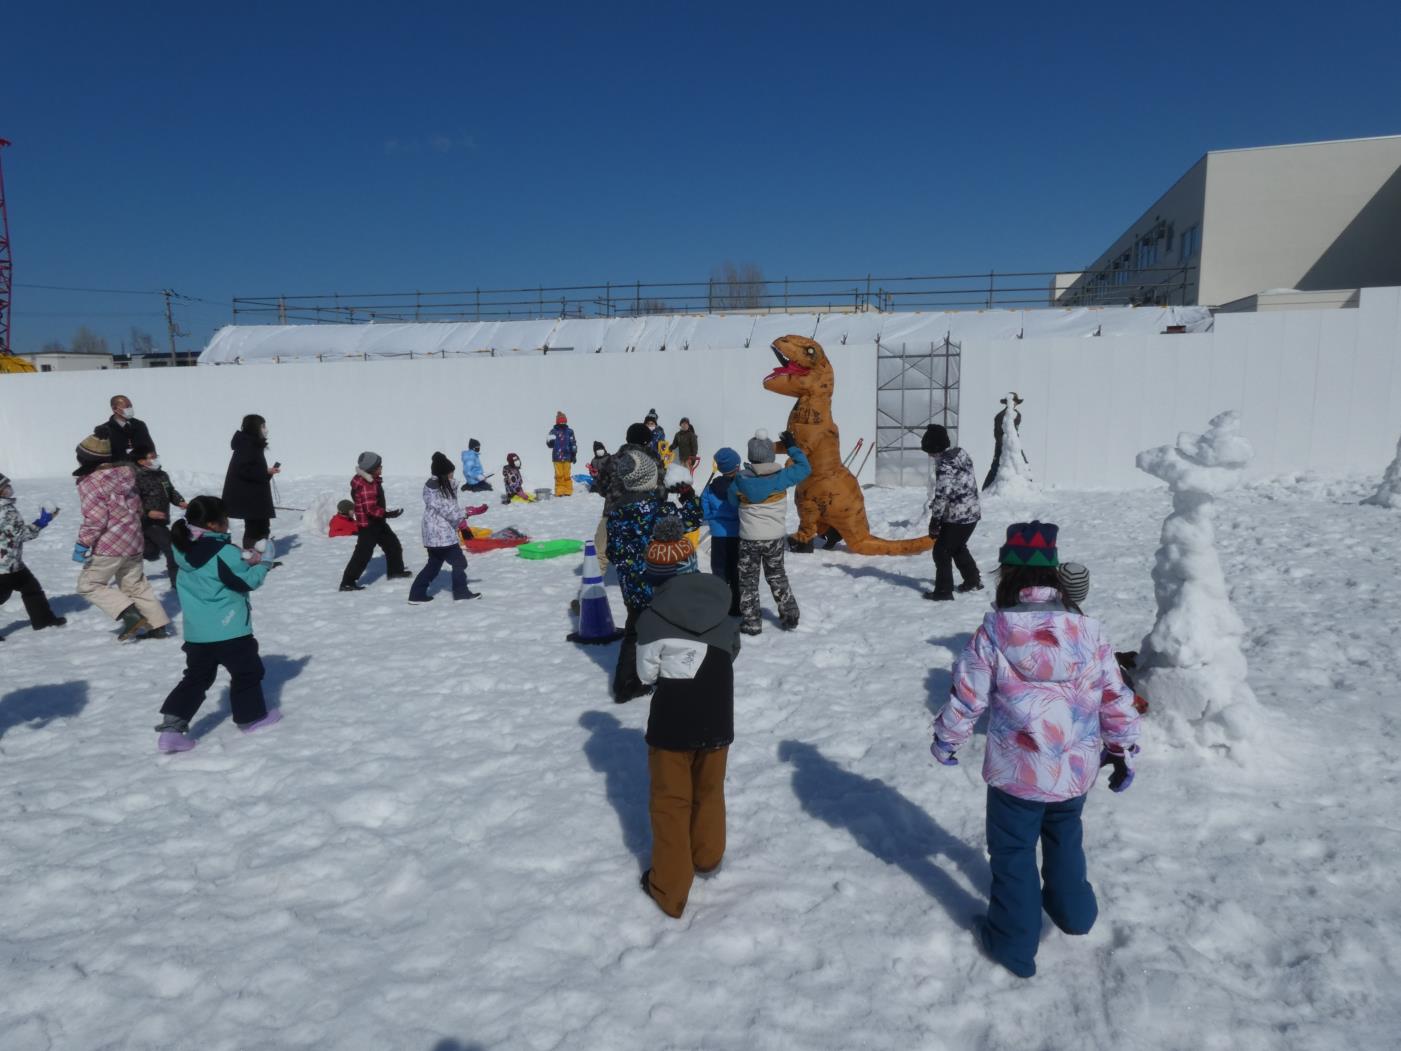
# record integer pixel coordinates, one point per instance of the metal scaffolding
(915, 386)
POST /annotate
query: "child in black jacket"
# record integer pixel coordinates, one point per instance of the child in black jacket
(157, 494)
(686, 644)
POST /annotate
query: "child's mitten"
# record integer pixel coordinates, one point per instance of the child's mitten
(943, 753)
(1122, 775)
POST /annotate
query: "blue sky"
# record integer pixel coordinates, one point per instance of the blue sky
(271, 148)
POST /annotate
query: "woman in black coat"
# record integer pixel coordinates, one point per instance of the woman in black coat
(248, 483)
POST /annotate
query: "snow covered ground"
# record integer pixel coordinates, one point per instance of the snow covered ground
(438, 849)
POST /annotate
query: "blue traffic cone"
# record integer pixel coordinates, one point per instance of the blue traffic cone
(596, 626)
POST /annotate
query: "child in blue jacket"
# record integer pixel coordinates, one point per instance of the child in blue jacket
(723, 519)
(473, 475)
(214, 583)
(761, 495)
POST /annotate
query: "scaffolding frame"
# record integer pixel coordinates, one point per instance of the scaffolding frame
(915, 386)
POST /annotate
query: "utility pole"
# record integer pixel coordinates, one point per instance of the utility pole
(5, 264)
(170, 327)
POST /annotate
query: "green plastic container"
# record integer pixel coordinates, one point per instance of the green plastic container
(538, 549)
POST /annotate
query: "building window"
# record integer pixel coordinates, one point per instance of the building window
(1190, 244)
(46, 368)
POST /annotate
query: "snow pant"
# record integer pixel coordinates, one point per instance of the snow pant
(255, 529)
(1017, 897)
(625, 678)
(724, 563)
(456, 560)
(564, 481)
(132, 588)
(157, 536)
(769, 554)
(202, 663)
(687, 806)
(600, 543)
(480, 486)
(951, 549)
(36, 603)
(376, 534)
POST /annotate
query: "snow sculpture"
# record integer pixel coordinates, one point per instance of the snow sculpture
(1388, 494)
(1013, 474)
(317, 516)
(1190, 666)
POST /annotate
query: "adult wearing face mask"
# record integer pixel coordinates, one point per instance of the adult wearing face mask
(123, 431)
(248, 483)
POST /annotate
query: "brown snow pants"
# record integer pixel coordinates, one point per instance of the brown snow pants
(688, 821)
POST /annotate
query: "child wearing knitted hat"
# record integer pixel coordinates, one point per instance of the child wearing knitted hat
(686, 645)
(1040, 665)
(343, 521)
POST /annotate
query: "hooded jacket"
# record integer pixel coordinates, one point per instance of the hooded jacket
(760, 492)
(214, 583)
(721, 515)
(367, 493)
(111, 512)
(14, 531)
(472, 471)
(1056, 696)
(247, 484)
(156, 492)
(563, 448)
(441, 516)
(686, 644)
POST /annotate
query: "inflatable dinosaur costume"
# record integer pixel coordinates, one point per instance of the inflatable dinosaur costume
(830, 498)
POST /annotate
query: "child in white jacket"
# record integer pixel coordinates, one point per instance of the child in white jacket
(442, 518)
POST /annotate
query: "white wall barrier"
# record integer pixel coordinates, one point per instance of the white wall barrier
(320, 416)
(1317, 390)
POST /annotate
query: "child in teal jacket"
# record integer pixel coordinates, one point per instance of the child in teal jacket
(214, 582)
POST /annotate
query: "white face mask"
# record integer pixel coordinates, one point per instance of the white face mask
(265, 432)
(128, 413)
(153, 464)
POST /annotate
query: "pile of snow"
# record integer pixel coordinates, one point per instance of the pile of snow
(1013, 477)
(1192, 664)
(316, 519)
(1388, 494)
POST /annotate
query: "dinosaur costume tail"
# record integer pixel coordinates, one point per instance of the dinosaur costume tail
(873, 545)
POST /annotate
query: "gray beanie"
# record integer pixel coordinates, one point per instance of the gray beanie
(761, 447)
(1074, 581)
(638, 471)
(368, 461)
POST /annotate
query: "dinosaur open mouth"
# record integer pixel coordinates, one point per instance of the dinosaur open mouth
(786, 367)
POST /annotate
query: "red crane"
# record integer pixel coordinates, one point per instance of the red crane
(6, 269)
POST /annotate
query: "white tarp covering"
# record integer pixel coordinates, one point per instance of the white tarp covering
(264, 343)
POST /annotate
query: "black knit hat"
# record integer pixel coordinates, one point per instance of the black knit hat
(474, 445)
(638, 434)
(935, 440)
(442, 466)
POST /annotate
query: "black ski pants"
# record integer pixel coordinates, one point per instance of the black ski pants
(255, 529)
(724, 563)
(951, 549)
(202, 663)
(376, 534)
(157, 536)
(36, 603)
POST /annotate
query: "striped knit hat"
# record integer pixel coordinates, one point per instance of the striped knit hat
(93, 449)
(1030, 544)
(1074, 581)
(670, 552)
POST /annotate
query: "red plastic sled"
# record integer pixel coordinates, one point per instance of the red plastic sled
(477, 546)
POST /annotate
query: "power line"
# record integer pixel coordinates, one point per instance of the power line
(104, 291)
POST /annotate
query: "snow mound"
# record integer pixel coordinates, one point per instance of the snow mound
(678, 475)
(1192, 666)
(316, 519)
(1388, 494)
(1013, 472)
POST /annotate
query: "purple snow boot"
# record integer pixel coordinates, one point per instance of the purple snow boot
(271, 719)
(174, 741)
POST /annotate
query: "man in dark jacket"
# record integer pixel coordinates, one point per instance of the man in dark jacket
(954, 512)
(123, 430)
(687, 643)
(248, 481)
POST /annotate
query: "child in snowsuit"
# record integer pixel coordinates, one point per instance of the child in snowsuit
(473, 477)
(343, 521)
(954, 512)
(1060, 710)
(687, 445)
(371, 516)
(215, 581)
(686, 646)
(110, 543)
(14, 574)
(442, 520)
(639, 500)
(157, 494)
(564, 451)
(656, 433)
(512, 480)
(761, 494)
(723, 519)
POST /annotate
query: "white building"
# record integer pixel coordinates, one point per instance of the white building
(67, 360)
(1318, 216)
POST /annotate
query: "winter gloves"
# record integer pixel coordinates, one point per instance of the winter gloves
(786, 437)
(943, 753)
(480, 509)
(1122, 775)
(45, 517)
(394, 513)
(81, 552)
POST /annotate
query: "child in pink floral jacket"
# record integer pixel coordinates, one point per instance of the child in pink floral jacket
(1059, 710)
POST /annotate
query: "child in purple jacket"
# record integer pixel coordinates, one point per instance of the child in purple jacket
(1059, 711)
